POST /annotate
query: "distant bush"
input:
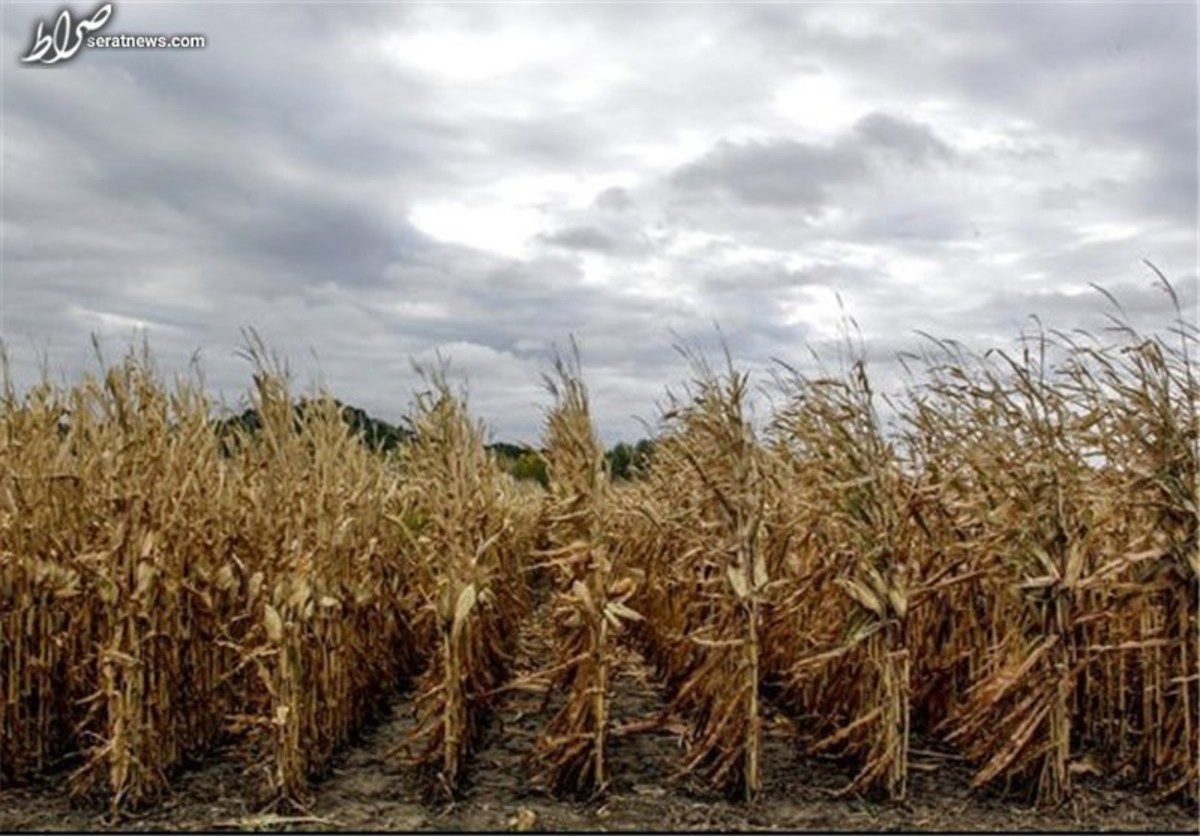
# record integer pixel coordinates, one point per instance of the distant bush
(629, 461)
(531, 466)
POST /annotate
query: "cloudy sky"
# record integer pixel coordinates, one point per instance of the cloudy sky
(368, 184)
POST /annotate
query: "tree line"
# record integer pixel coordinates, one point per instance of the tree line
(623, 461)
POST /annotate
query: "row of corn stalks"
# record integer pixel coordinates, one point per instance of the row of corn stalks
(328, 624)
(694, 531)
(471, 537)
(1061, 485)
(1011, 570)
(591, 590)
(169, 589)
(840, 654)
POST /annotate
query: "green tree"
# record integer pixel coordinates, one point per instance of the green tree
(620, 460)
(531, 466)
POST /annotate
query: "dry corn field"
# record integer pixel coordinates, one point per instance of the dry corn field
(991, 577)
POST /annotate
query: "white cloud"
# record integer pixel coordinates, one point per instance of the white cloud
(498, 226)
(818, 104)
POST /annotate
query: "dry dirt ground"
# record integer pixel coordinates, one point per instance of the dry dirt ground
(370, 789)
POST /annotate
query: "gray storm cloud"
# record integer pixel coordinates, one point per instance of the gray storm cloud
(950, 168)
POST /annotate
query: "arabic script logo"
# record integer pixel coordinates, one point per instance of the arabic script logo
(64, 40)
